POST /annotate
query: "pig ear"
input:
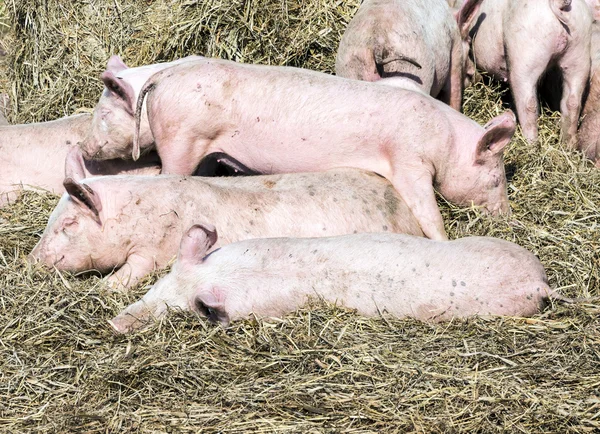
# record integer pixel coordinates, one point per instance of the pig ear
(465, 16)
(196, 242)
(74, 164)
(121, 89)
(85, 197)
(115, 64)
(498, 133)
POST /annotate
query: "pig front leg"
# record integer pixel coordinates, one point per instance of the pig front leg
(454, 83)
(136, 268)
(180, 154)
(416, 188)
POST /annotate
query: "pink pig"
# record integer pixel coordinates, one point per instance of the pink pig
(414, 39)
(113, 121)
(519, 41)
(402, 275)
(32, 156)
(134, 223)
(281, 119)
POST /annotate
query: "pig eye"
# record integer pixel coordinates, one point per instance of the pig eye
(68, 223)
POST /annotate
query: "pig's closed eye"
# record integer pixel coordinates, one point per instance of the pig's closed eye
(68, 223)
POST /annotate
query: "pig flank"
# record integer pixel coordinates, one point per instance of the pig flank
(283, 119)
(32, 156)
(135, 223)
(402, 275)
(519, 42)
(413, 39)
(111, 132)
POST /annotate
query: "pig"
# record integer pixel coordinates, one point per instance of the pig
(589, 130)
(518, 42)
(398, 274)
(283, 119)
(414, 39)
(594, 8)
(32, 156)
(134, 223)
(113, 119)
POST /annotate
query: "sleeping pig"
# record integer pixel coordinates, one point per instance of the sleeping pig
(412, 39)
(282, 120)
(402, 275)
(133, 224)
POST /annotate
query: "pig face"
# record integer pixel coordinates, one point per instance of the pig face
(74, 236)
(188, 286)
(113, 122)
(481, 178)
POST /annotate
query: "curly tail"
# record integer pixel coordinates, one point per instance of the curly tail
(148, 87)
(561, 9)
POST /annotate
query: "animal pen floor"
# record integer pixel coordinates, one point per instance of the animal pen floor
(321, 369)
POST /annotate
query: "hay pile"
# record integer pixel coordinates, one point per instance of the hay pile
(322, 369)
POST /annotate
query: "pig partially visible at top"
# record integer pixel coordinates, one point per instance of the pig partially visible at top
(589, 129)
(32, 156)
(401, 275)
(519, 41)
(113, 121)
(594, 8)
(133, 224)
(414, 39)
(277, 119)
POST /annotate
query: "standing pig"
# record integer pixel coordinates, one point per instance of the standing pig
(402, 275)
(282, 119)
(518, 41)
(413, 39)
(32, 156)
(134, 223)
(589, 130)
(113, 121)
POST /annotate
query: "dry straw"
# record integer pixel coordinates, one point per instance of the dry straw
(322, 369)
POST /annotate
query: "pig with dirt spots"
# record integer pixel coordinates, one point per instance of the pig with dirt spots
(589, 129)
(282, 120)
(113, 120)
(401, 275)
(133, 224)
(519, 41)
(417, 40)
(32, 156)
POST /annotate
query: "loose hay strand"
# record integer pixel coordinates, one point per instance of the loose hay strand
(321, 369)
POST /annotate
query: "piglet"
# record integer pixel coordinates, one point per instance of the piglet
(413, 39)
(280, 119)
(401, 275)
(519, 41)
(133, 224)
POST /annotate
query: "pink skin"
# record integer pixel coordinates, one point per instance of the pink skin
(594, 6)
(134, 223)
(589, 130)
(111, 133)
(282, 120)
(518, 42)
(32, 156)
(402, 275)
(413, 39)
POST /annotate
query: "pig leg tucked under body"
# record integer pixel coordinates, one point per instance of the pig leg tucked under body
(401, 275)
(282, 119)
(134, 223)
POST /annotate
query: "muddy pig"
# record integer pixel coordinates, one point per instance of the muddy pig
(282, 119)
(402, 275)
(134, 223)
(589, 130)
(519, 42)
(113, 120)
(32, 156)
(412, 39)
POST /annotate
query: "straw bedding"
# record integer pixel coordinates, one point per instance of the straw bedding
(321, 369)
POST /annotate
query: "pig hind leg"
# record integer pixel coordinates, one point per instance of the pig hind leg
(525, 69)
(575, 69)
